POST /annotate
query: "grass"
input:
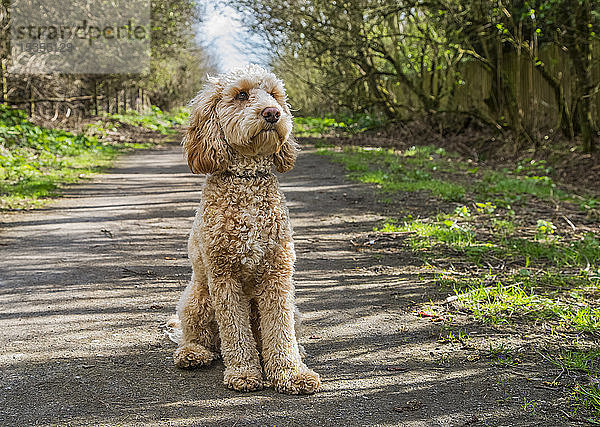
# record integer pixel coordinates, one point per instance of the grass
(429, 168)
(586, 362)
(156, 120)
(502, 355)
(35, 161)
(411, 170)
(506, 255)
(342, 124)
(588, 397)
(445, 232)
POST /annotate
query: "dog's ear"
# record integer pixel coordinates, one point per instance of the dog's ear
(204, 143)
(285, 158)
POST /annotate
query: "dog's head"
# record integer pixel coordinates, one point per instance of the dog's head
(245, 111)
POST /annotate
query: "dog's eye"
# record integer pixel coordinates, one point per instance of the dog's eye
(242, 96)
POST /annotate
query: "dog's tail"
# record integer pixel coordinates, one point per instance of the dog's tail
(173, 329)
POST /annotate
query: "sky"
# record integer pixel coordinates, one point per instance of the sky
(223, 33)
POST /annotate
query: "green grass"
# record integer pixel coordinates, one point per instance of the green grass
(156, 120)
(348, 124)
(511, 299)
(506, 189)
(502, 355)
(523, 292)
(456, 231)
(36, 161)
(504, 251)
(588, 397)
(433, 169)
(429, 233)
(415, 169)
(587, 362)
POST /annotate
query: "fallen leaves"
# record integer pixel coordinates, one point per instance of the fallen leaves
(411, 405)
(432, 317)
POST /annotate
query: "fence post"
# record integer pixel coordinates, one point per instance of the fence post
(4, 84)
(107, 96)
(95, 97)
(31, 102)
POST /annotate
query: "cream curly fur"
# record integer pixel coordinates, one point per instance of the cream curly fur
(240, 300)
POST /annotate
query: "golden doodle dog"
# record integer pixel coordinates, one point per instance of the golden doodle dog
(240, 300)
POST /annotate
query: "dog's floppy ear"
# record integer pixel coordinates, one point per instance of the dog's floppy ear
(204, 143)
(285, 158)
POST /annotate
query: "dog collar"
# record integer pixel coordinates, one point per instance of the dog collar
(256, 175)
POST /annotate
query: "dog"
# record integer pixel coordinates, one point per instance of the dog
(240, 300)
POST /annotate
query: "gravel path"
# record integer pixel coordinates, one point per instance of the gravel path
(86, 284)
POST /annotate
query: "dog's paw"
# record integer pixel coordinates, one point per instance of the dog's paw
(241, 379)
(296, 381)
(192, 355)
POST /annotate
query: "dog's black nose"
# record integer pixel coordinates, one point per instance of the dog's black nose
(271, 114)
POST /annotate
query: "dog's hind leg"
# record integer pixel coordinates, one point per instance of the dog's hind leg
(200, 341)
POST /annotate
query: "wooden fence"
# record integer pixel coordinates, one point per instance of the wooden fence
(534, 95)
(71, 95)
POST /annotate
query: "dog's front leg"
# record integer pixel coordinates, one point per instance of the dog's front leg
(238, 348)
(283, 364)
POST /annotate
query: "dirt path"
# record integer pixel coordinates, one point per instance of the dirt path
(86, 284)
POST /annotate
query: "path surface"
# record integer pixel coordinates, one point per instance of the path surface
(86, 284)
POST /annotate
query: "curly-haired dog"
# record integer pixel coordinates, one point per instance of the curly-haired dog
(241, 296)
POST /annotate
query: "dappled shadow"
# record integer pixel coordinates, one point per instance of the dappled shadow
(83, 296)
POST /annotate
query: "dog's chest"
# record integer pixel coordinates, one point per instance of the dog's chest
(245, 227)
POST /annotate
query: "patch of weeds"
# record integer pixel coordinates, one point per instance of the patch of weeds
(528, 405)
(583, 253)
(584, 319)
(445, 281)
(322, 143)
(389, 226)
(587, 361)
(499, 303)
(155, 119)
(413, 170)
(532, 167)
(544, 229)
(447, 232)
(516, 298)
(35, 161)
(502, 356)
(462, 211)
(583, 397)
(328, 125)
(451, 337)
(508, 189)
(485, 208)
(589, 204)
(503, 227)
(588, 397)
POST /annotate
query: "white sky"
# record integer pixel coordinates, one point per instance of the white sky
(223, 33)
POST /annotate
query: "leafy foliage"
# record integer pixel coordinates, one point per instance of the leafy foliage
(35, 161)
(402, 59)
(155, 119)
(344, 124)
